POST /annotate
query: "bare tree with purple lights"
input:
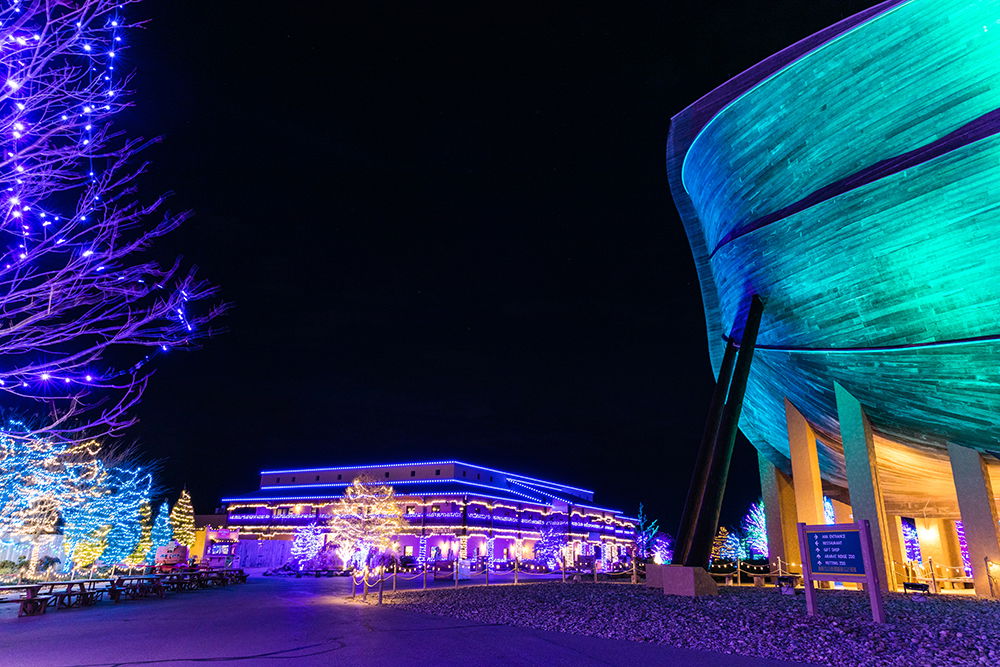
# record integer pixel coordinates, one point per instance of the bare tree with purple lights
(83, 309)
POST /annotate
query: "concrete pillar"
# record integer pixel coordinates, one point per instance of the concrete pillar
(841, 512)
(897, 551)
(779, 508)
(805, 467)
(862, 479)
(979, 516)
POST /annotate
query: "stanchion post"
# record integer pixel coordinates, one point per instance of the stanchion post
(487, 573)
(425, 574)
(354, 586)
(381, 583)
(562, 569)
(516, 561)
(635, 571)
(364, 576)
(395, 573)
(595, 570)
(930, 565)
(455, 570)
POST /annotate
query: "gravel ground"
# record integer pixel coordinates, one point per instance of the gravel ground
(943, 630)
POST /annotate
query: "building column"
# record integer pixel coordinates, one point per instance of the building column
(862, 480)
(779, 511)
(806, 479)
(979, 516)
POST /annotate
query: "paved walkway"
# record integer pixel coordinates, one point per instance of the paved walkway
(278, 621)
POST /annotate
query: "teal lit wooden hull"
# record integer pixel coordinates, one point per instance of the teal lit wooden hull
(853, 181)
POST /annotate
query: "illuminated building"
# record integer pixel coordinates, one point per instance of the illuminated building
(451, 509)
(852, 181)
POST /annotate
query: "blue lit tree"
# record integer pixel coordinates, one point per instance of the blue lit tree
(646, 531)
(755, 530)
(75, 280)
(163, 531)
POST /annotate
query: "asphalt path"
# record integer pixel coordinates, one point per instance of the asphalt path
(307, 621)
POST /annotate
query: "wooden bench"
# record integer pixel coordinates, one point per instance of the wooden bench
(914, 587)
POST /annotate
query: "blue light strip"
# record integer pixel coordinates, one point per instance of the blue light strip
(436, 493)
(573, 502)
(408, 481)
(428, 463)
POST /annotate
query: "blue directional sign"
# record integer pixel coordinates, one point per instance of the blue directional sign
(835, 552)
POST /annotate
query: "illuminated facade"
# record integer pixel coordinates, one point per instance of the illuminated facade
(852, 181)
(451, 510)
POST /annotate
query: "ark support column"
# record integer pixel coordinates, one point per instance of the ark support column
(862, 480)
(779, 510)
(806, 479)
(979, 517)
(722, 452)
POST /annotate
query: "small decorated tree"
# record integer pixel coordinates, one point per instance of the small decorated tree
(162, 532)
(182, 520)
(755, 530)
(306, 545)
(646, 532)
(718, 544)
(548, 547)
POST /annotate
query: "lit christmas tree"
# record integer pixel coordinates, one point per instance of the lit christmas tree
(719, 544)
(75, 283)
(911, 540)
(829, 514)
(138, 555)
(306, 544)
(162, 532)
(645, 534)
(755, 530)
(364, 522)
(547, 549)
(182, 520)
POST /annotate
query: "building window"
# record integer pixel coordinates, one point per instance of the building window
(437, 472)
(478, 476)
(491, 478)
(293, 479)
(435, 509)
(410, 509)
(408, 550)
(340, 476)
(413, 473)
(317, 478)
(281, 511)
(463, 473)
(387, 474)
(277, 480)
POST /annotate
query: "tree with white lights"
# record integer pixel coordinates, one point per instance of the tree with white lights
(549, 546)
(364, 521)
(75, 280)
(306, 544)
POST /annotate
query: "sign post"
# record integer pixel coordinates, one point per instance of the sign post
(839, 552)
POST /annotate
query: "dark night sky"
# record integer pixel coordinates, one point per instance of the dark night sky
(446, 232)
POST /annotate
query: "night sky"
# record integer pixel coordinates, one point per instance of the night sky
(446, 232)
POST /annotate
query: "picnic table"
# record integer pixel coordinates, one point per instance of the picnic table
(28, 596)
(136, 586)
